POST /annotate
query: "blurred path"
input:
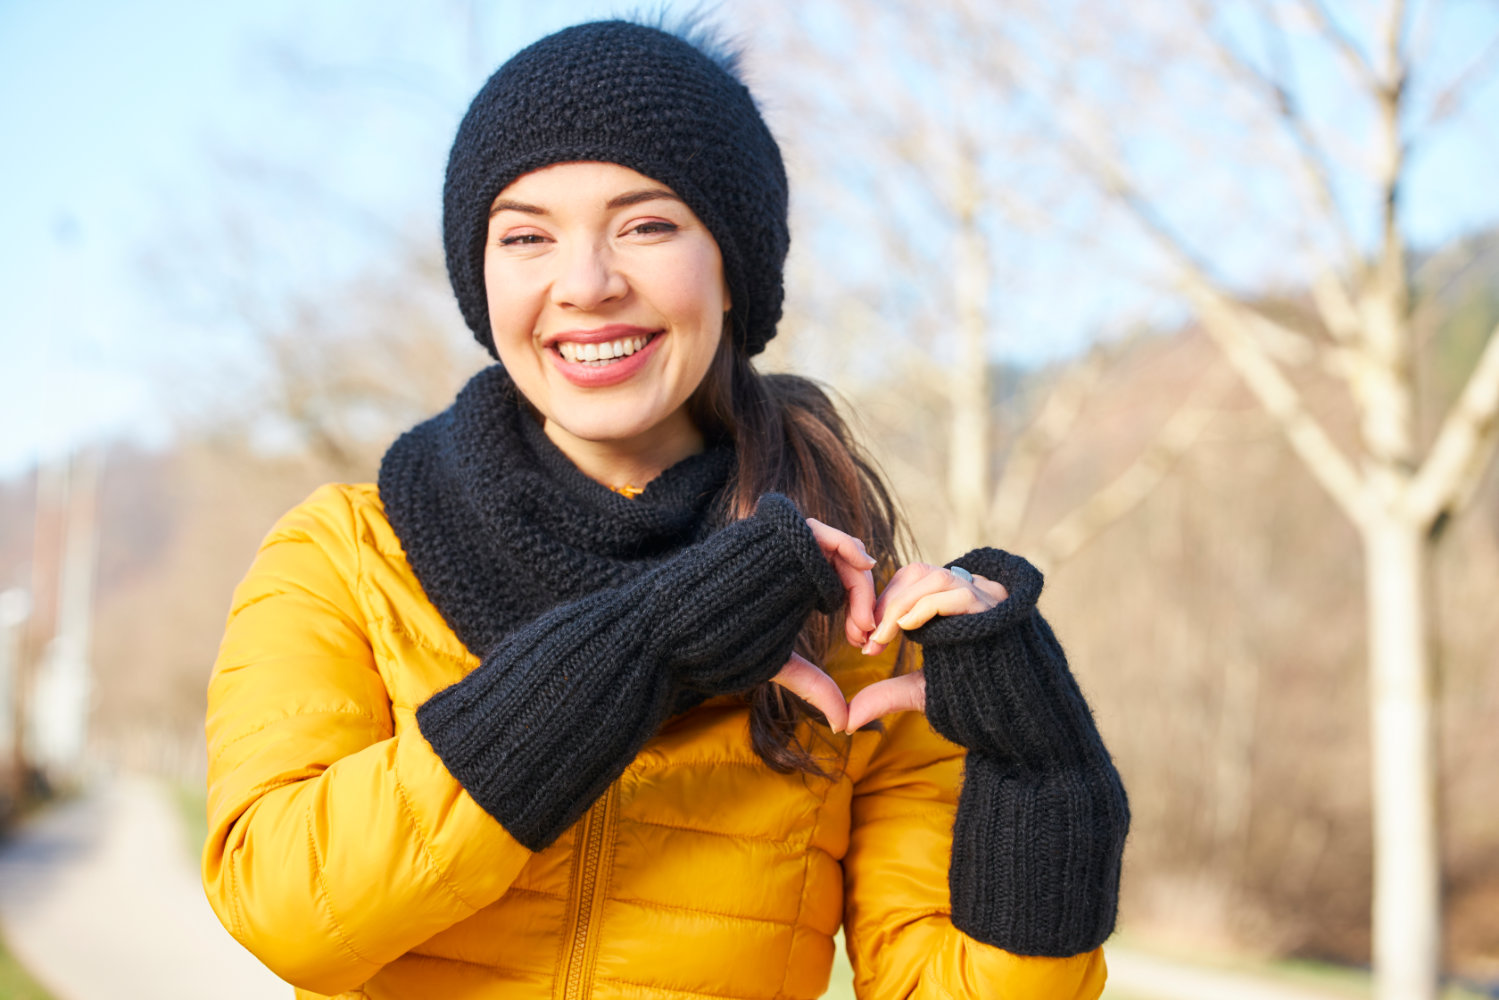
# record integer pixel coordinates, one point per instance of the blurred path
(100, 901)
(1137, 974)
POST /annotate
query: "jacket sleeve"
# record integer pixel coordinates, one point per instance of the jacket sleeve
(933, 909)
(334, 845)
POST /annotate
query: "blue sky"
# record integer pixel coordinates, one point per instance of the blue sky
(117, 120)
(125, 127)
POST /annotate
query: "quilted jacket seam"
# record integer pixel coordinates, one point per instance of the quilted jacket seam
(654, 904)
(292, 586)
(779, 841)
(262, 727)
(559, 897)
(658, 988)
(421, 642)
(236, 904)
(338, 930)
(251, 602)
(424, 841)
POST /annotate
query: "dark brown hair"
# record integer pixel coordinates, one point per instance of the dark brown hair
(790, 439)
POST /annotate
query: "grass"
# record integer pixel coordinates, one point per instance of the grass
(15, 983)
(841, 986)
(1328, 977)
(192, 807)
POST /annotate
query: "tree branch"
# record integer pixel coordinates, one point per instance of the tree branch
(1136, 482)
(1362, 66)
(1272, 337)
(1287, 110)
(1450, 100)
(1022, 467)
(1464, 444)
(1224, 322)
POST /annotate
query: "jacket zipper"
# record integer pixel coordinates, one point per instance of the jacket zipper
(592, 861)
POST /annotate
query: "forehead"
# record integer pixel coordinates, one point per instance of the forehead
(580, 184)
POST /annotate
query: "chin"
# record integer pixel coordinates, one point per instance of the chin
(610, 427)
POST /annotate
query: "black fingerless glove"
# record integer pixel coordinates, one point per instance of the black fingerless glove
(1039, 834)
(558, 709)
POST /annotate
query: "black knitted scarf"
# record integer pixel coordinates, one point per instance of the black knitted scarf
(499, 526)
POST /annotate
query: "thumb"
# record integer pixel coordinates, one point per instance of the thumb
(803, 678)
(906, 693)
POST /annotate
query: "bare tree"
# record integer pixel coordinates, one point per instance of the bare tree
(1294, 125)
(894, 151)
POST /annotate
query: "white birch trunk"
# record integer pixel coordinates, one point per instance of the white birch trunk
(1407, 908)
(968, 443)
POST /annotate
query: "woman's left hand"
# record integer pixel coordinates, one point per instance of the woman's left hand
(914, 596)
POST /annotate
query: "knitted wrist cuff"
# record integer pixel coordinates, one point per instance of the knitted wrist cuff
(767, 570)
(1035, 862)
(1015, 574)
(781, 513)
(999, 684)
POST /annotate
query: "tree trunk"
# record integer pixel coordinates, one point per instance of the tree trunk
(1407, 918)
(968, 443)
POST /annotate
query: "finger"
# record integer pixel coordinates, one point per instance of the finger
(859, 584)
(895, 609)
(806, 680)
(855, 635)
(906, 693)
(898, 601)
(840, 543)
(899, 581)
(853, 565)
(945, 602)
(993, 588)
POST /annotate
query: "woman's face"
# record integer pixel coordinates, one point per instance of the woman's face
(607, 301)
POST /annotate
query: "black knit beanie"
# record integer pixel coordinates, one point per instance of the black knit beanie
(644, 98)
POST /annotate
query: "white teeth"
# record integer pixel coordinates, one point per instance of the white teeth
(600, 353)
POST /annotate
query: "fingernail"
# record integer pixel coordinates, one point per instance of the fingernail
(868, 649)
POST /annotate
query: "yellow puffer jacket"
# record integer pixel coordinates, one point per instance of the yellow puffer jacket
(344, 855)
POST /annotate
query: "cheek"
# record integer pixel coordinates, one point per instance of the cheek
(698, 290)
(511, 302)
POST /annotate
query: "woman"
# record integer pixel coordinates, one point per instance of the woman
(514, 723)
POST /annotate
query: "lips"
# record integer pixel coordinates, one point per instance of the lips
(603, 356)
(598, 334)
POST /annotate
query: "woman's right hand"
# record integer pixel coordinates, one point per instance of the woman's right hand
(855, 568)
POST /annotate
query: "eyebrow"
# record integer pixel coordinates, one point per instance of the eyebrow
(618, 201)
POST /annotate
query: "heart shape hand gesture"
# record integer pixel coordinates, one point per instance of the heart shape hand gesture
(915, 594)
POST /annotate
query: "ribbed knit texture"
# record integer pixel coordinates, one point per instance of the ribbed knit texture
(646, 99)
(1039, 835)
(595, 616)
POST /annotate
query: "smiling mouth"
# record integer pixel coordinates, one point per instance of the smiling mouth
(602, 354)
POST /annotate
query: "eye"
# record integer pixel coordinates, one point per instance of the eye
(653, 227)
(521, 239)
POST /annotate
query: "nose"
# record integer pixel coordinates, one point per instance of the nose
(587, 276)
